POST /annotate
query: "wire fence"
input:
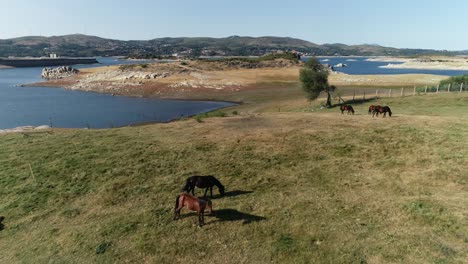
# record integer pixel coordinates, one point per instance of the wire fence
(359, 94)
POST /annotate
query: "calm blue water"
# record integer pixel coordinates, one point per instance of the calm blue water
(24, 106)
(361, 66)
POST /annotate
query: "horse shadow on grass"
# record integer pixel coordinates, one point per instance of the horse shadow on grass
(231, 215)
(236, 193)
(226, 215)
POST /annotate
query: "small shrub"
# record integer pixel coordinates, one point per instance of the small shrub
(144, 65)
(126, 67)
(284, 243)
(235, 112)
(101, 248)
(199, 119)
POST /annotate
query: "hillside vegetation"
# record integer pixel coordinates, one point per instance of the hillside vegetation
(83, 45)
(301, 187)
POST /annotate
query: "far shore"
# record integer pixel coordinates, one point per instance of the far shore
(196, 81)
(459, 63)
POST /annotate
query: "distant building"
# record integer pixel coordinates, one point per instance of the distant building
(53, 56)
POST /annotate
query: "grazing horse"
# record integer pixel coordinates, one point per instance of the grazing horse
(347, 108)
(194, 204)
(203, 182)
(382, 110)
(371, 108)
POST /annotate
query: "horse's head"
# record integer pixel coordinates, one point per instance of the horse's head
(186, 187)
(221, 189)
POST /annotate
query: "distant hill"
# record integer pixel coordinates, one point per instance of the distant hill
(83, 45)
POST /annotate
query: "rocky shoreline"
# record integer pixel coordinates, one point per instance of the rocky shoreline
(58, 73)
(176, 80)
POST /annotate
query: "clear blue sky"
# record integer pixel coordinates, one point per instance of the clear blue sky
(434, 24)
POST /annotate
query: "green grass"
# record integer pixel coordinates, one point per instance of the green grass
(302, 188)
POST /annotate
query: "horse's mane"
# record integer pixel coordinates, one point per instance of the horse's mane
(217, 182)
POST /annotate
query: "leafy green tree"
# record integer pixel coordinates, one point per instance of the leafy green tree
(314, 79)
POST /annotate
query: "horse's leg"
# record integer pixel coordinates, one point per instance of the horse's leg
(202, 218)
(206, 190)
(211, 191)
(200, 221)
(177, 213)
(193, 190)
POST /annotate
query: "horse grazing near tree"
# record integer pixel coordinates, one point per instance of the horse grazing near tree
(347, 108)
(194, 204)
(371, 108)
(203, 182)
(382, 110)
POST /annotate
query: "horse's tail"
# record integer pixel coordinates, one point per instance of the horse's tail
(177, 202)
(209, 206)
(389, 112)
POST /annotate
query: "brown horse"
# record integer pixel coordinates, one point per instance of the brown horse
(194, 204)
(382, 110)
(371, 108)
(347, 108)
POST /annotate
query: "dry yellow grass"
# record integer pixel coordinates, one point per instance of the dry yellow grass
(385, 80)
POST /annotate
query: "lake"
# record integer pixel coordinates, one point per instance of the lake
(359, 66)
(34, 106)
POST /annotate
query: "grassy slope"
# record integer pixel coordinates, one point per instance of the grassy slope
(302, 187)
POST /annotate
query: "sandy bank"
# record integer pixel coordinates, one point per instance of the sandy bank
(425, 63)
(23, 129)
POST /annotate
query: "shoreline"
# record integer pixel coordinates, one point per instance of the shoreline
(437, 67)
(22, 129)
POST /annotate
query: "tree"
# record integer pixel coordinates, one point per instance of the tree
(314, 79)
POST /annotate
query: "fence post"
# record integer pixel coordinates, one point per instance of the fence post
(448, 89)
(364, 96)
(376, 93)
(425, 90)
(437, 91)
(414, 91)
(401, 93)
(461, 87)
(390, 93)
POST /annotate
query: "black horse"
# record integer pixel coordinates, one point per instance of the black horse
(203, 182)
(382, 110)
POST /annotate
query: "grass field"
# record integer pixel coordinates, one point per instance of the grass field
(303, 186)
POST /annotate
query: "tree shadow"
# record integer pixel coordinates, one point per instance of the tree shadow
(355, 101)
(230, 215)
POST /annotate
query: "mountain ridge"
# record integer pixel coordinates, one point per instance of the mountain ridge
(81, 45)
